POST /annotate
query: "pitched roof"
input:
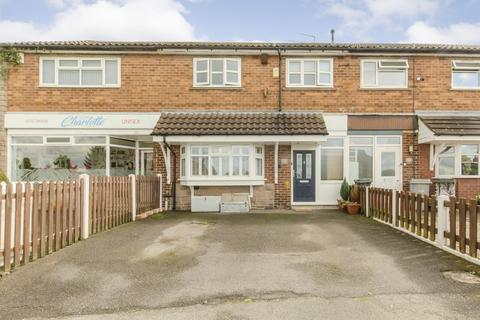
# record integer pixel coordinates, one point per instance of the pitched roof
(153, 46)
(453, 125)
(240, 123)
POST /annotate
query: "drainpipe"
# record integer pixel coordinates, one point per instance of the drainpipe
(279, 80)
(174, 178)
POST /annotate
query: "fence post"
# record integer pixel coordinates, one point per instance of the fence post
(367, 202)
(134, 196)
(85, 179)
(161, 192)
(442, 213)
(394, 208)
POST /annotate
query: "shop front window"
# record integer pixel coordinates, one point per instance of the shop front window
(51, 162)
(122, 161)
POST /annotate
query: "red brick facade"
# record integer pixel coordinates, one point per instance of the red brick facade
(161, 82)
(152, 83)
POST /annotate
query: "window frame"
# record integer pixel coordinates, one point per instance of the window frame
(377, 68)
(79, 67)
(325, 146)
(458, 161)
(457, 69)
(226, 83)
(302, 73)
(210, 178)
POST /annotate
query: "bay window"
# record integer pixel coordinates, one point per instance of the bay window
(79, 72)
(384, 74)
(222, 161)
(309, 73)
(465, 74)
(216, 72)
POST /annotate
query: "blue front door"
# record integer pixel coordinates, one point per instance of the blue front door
(304, 176)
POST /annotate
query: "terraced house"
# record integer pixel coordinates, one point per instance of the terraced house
(283, 123)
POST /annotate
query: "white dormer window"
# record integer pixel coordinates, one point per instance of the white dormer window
(216, 72)
(310, 73)
(466, 75)
(384, 74)
(79, 72)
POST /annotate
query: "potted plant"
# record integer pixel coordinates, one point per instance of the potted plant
(344, 194)
(353, 206)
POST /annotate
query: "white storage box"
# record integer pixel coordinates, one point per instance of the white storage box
(206, 204)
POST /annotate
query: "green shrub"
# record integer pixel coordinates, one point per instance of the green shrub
(3, 177)
(345, 190)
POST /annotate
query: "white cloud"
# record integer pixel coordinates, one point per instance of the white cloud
(106, 20)
(359, 17)
(458, 33)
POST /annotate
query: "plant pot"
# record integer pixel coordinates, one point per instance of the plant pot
(352, 208)
(341, 204)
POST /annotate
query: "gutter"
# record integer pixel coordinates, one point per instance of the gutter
(174, 190)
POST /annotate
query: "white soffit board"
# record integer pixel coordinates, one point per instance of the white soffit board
(336, 123)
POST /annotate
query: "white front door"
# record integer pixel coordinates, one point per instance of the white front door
(388, 167)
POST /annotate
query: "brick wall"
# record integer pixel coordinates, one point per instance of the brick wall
(283, 189)
(152, 83)
(468, 187)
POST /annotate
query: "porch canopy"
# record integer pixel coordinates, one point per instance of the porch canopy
(441, 131)
(283, 127)
(449, 128)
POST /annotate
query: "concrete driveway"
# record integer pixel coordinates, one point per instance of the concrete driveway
(325, 265)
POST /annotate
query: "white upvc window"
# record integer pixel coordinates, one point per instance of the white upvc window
(310, 73)
(384, 74)
(459, 160)
(222, 162)
(259, 161)
(199, 160)
(466, 75)
(446, 162)
(240, 160)
(217, 72)
(79, 72)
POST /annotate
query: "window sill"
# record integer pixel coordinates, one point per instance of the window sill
(216, 88)
(78, 87)
(310, 88)
(384, 89)
(464, 89)
(222, 182)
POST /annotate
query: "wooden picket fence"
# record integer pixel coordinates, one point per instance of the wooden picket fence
(381, 204)
(463, 220)
(419, 215)
(148, 193)
(110, 202)
(37, 219)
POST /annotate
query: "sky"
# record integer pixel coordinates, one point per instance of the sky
(419, 21)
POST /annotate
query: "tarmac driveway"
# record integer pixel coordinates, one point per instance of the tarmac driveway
(324, 265)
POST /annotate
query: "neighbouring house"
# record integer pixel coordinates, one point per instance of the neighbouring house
(283, 123)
